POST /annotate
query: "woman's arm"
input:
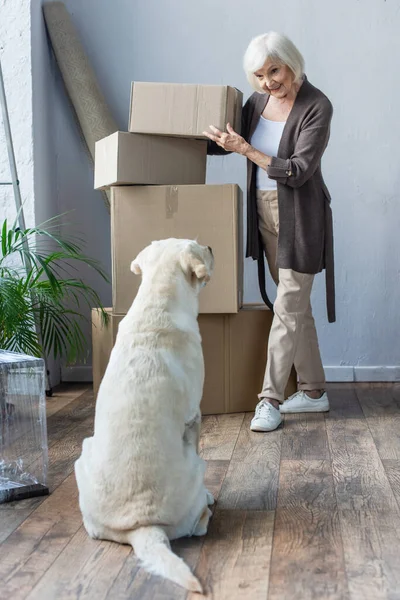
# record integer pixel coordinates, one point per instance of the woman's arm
(307, 154)
(259, 158)
(310, 146)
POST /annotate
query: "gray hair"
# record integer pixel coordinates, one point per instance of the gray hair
(275, 46)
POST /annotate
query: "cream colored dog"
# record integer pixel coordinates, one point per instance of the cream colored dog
(140, 478)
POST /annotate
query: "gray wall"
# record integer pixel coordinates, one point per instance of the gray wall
(352, 52)
(43, 117)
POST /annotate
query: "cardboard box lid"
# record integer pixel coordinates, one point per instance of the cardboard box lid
(183, 109)
(212, 214)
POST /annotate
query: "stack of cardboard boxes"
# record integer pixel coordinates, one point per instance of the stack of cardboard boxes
(157, 174)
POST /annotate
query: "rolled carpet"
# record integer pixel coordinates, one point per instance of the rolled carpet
(91, 111)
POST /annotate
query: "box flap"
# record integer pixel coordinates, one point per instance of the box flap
(105, 159)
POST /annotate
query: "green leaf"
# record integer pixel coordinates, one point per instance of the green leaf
(46, 293)
(4, 238)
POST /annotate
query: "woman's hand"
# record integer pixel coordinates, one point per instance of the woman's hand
(233, 142)
(230, 141)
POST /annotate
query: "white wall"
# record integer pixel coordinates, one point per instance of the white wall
(25, 62)
(15, 56)
(352, 52)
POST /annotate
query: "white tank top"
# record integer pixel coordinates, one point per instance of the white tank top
(266, 138)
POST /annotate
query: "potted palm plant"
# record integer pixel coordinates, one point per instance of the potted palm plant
(41, 299)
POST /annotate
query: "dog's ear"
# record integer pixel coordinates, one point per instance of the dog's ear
(135, 267)
(193, 266)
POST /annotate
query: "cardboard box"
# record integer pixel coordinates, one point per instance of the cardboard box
(129, 158)
(184, 110)
(211, 214)
(235, 354)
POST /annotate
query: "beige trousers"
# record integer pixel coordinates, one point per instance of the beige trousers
(293, 337)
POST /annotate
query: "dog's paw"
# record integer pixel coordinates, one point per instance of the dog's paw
(90, 529)
(210, 498)
(202, 525)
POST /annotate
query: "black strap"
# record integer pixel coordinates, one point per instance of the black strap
(261, 281)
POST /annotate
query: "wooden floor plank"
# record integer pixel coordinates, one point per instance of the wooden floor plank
(304, 437)
(10, 520)
(235, 558)
(392, 470)
(215, 475)
(360, 480)
(19, 506)
(219, 435)
(368, 512)
(251, 482)
(85, 569)
(63, 395)
(133, 583)
(307, 556)
(32, 548)
(65, 420)
(371, 541)
(306, 483)
(381, 408)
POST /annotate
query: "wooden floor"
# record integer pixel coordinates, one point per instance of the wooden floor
(310, 511)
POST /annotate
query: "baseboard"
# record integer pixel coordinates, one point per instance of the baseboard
(77, 374)
(332, 374)
(377, 373)
(343, 374)
(339, 374)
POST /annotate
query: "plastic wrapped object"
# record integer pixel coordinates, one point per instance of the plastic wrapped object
(23, 432)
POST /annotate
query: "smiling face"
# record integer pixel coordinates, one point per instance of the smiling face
(276, 79)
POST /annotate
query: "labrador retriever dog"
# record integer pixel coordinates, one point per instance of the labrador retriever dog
(140, 477)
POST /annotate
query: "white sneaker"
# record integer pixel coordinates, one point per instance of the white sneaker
(266, 418)
(300, 402)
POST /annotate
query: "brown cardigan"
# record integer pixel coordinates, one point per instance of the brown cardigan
(305, 242)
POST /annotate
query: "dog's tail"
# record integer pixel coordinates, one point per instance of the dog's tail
(152, 547)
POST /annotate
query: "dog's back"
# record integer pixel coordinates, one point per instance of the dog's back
(141, 409)
(136, 471)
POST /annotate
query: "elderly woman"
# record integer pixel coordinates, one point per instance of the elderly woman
(285, 130)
